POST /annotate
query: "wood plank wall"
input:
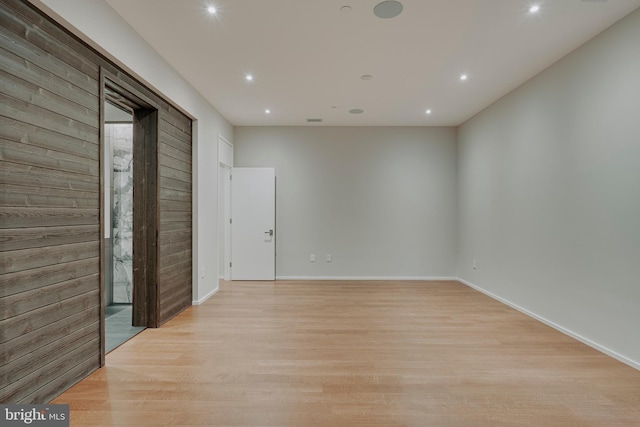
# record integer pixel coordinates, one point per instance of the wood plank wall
(50, 205)
(175, 203)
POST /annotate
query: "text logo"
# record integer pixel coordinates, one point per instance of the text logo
(35, 415)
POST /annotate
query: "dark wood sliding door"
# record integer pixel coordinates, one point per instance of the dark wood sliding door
(52, 92)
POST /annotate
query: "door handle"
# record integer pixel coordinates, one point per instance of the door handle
(270, 232)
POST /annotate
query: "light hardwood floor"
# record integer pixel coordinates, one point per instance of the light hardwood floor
(355, 354)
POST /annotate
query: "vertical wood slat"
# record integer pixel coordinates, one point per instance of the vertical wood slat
(145, 212)
(50, 222)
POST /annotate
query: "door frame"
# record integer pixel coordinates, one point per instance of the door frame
(145, 201)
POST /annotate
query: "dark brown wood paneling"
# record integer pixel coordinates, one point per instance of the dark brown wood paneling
(47, 339)
(17, 217)
(32, 156)
(32, 135)
(21, 195)
(176, 226)
(173, 152)
(50, 200)
(167, 216)
(175, 138)
(56, 65)
(175, 272)
(175, 195)
(49, 206)
(172, 205)
(176, 164)
(169, 237)
(26, 323)
(170, 249)
(69, 358)
(26, 259)
(25, 112)
(24, 238)
(29, 24)
(54, 179)
(174, 184)
(171, 303)
(15, 370)
(24, 302)
(17, 66)
(171, 259)
(26, 280)
(175, 215)
(167, 172)
(35, 94)
(177, 120)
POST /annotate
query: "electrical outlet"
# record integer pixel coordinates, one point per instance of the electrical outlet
(312, 258)
(475, 264)
(329, 258)
(202, 273)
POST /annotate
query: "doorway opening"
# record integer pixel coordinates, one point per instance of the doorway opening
(118, 192)
(129, 215)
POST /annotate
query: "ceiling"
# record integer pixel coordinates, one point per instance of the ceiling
(308, 56)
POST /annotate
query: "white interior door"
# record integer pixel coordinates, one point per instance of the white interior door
(253, 214)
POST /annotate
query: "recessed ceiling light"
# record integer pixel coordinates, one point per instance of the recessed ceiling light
(345, 9)
(212, 10)
(366, 77)
(388, 9)
(534, 8)
(464, 77)
(428, 111)
(356, 111)
(267, 111)
(248, 77)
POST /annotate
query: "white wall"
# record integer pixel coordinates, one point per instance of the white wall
(99, 25)
(380, 200)
(549, 194)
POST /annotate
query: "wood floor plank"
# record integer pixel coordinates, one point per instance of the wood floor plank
(355, 354)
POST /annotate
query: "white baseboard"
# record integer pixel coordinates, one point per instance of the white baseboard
(555, 326)
(206, 297)
(369, 278)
